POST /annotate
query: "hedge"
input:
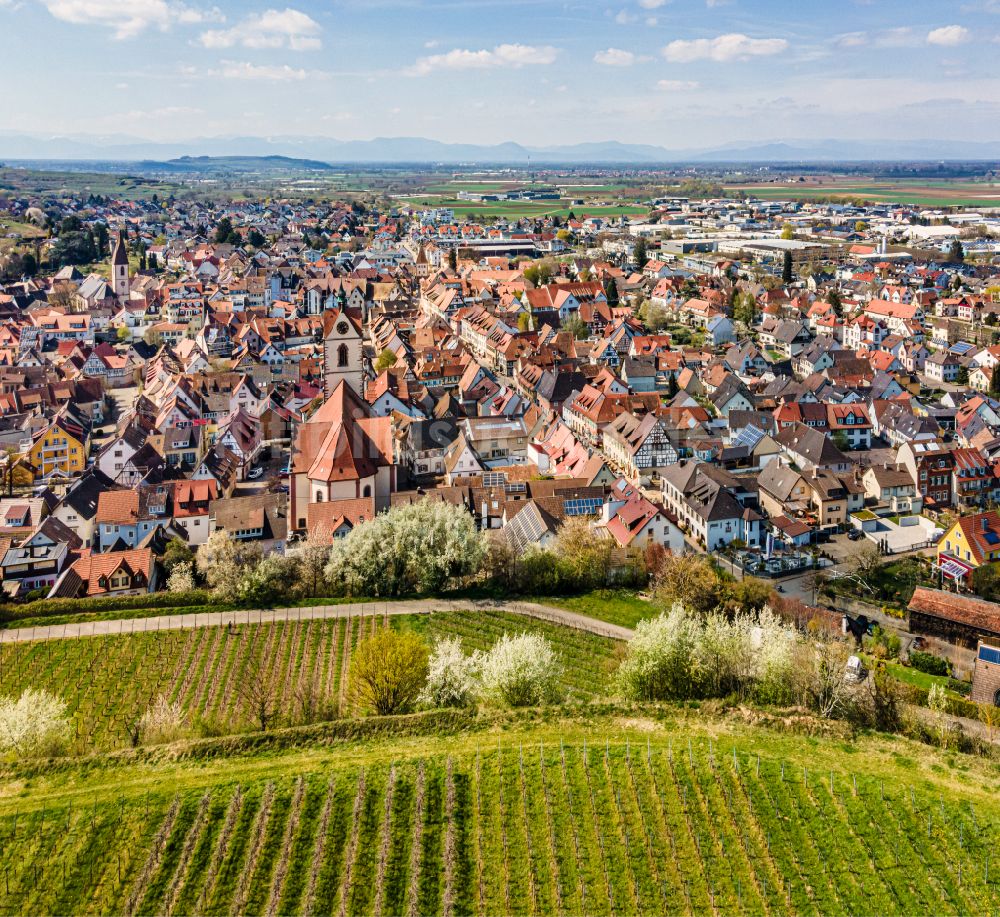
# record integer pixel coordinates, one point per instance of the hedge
(44, 608)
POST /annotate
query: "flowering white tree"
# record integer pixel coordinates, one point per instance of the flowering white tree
(520, 671)
(661, 661)
(452, 677)
(34, 724)
(682, 655)
(413, 548)
(181, 578)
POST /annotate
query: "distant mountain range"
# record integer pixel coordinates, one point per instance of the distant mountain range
(318, 152)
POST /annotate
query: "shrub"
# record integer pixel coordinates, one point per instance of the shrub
(163, 722)
(520, 671)
(223, 561)
(929, 663)
(388, 671)
(33, 725)
(883, 644)
(452, 678)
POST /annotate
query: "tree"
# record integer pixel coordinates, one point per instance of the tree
(787, 231)
(688, 579)
(256, 238)
(995, 382)
(452, 678)
(312, 555)
(786, 267)
(29, 265)
(453, 259)
(956, 253)
(181, 578)
(258, 692)
(385, 359)
(222, 562)
(860, 226)
(223, 230)
(577, 327)
(123, 334)
(417, 548)
(833, 298)
(34, 724)
(825, 686)
(584, 555)
(672, 387)
(524, 322)
(654, 316)
(745, 308)
(520, 671)
(388, 671)
(176, 552)
(640, 253)
(611, 291)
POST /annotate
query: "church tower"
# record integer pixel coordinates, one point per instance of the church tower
(119, 268)
(343, 352)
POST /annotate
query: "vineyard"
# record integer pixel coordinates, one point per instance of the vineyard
(108, 682)
(676, 825)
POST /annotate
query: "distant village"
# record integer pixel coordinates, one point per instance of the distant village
(745, 378)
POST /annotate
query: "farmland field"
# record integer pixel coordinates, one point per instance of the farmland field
(565, 816)
(917, 193)
(108, 682)
(518, 209)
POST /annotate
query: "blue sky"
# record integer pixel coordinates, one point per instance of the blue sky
(679, 73)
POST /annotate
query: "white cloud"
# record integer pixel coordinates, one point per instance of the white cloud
(625, 17)
(733, 46)
(157, 114)
(615, 57)
(652, 4)
(243, 70)
(677, 85)
(948, 36)
(513, 56)
(285, 28)
(128, 19)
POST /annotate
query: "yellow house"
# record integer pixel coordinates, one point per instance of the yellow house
(971, 542)
(56, 449)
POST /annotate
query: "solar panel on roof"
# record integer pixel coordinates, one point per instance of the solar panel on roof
(991, 537)
(749, 436)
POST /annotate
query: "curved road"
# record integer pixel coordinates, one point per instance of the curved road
(270, 615)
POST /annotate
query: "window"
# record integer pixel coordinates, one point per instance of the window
(342, 355)
(367, 492)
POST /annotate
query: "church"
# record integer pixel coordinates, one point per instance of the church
(342, 464)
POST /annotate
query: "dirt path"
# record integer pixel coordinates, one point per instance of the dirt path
(269, 615)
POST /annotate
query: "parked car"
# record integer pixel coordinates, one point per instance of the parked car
(855, 535)
(255, 473)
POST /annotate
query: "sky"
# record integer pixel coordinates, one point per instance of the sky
(683, 74)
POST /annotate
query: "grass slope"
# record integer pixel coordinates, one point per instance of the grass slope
(657, 811)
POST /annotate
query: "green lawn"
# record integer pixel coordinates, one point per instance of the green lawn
(616, 606)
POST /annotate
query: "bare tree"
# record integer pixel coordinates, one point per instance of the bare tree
(257, 690)
(826, 687)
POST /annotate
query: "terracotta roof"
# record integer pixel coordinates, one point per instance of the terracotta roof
(977, 613)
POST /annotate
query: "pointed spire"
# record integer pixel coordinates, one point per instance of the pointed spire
(120, 254)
